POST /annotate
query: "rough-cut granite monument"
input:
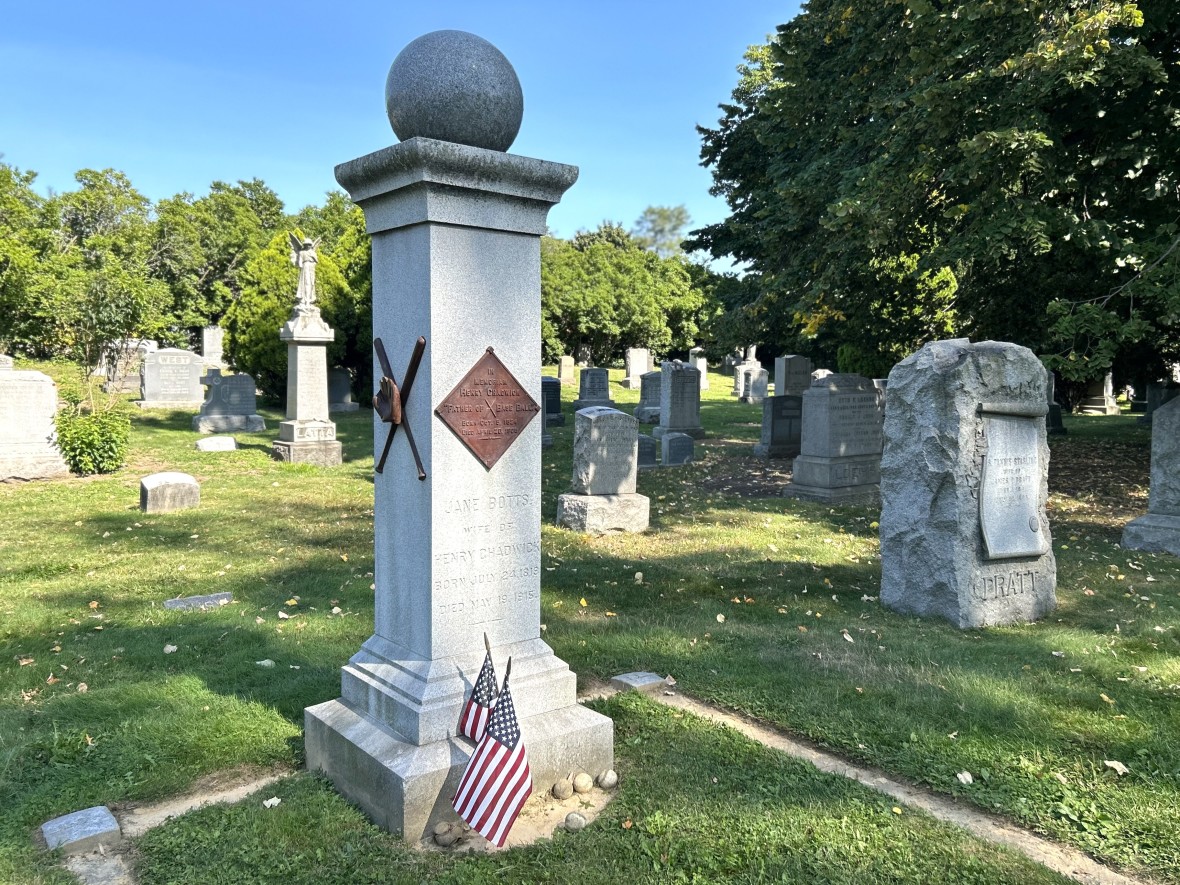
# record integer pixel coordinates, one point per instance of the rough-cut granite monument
(755, 384)
(680, 401)
(28, 447)
(840, 447)
(171, 379)
(593, 390)
(1158, 531)
(308, 436)
(602, 490)
(964, 535)
(456, 227)
(230, 404)
(565, 370)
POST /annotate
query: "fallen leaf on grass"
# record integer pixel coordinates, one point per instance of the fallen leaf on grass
(24, 662)
(52, 679)
(265, 663)
(1117, 767)
(83, 687)
(627, 824)
(582, 602)
(965, 778)
(283, 616)
(168, 649)
(610, 614)
(847, 638)
(639, 577)
(1105, 698)
(720, 619)
(271, 802)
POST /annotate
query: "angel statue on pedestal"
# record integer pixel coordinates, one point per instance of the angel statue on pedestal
(303, 256)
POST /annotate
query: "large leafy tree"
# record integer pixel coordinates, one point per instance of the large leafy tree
(901, 171)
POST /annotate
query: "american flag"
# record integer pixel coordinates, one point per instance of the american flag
(497, 781)
(475, 715)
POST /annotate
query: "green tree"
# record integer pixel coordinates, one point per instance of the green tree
(898, 171)
(661, 229)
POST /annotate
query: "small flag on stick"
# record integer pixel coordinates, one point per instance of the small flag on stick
(497, 781)
(475, 715)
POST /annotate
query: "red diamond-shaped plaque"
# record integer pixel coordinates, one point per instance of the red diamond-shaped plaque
(488, 409)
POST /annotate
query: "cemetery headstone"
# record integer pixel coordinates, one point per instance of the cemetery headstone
(677, 449)
(28, 437)
(217, 444)
(230, 404)
(308, 436)
(782, 427)
(1158, 531)
(1158, 393)
(840, 447)
(964, 533)
(602, 494)
(459, 553)
(650, 387)
(680, 401)
(171, 379)
(637, 361)
(551, 399)
(755, 385)
(565, 370)
(546, 403)
(340, 392)
(1099, 399)
(648, 447)
(167, 492)
(1053, 423)
(212, 339)
(792, 375)
(696, 359)
(593, 390)
(122, 365)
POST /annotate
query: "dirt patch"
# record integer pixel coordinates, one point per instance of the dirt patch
(1110, 478)
(744, 477)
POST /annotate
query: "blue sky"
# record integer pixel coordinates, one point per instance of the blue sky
(177, 95)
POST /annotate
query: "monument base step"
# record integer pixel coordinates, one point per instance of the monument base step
(594, 403)
(407, 789)
(647, 415)
(322, 453)
(15, 467)
(1153, 532)
(600, 514)
(343, 407)
(165, 404)
(864, 494)
(772, 451)
(228, 423)
(695, 432)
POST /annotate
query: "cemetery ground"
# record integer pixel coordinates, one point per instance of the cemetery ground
(762, 605)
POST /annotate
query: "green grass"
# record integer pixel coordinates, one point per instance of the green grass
(83, 575)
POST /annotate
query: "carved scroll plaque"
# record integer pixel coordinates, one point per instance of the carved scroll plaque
(488, 409)
(1009, 514)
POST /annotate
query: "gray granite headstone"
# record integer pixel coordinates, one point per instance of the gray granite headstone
(637, 361)
(212, 338)
(82, 831)
(593, 390)
(340, 392)
(648, 448)
(1159, 529)
(840, 447)
(677, 449)
(602, 494)
(1158, 393)
(755, 385)
(792, 375)
(680, 401)
(551, 400)
(171, 378)
(169, 491)
(28, 436)
(230, 404)
(1099, 399)
(782, 427)
(565, 370)
(696, 359)
(217, 444)
(648, 410)
(964, 532)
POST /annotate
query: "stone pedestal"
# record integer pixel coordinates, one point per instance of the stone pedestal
(1159, 530)
(308, 436)
(456, 258)
(1099, 399)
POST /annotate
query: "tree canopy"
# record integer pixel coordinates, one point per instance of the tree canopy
(904, 171)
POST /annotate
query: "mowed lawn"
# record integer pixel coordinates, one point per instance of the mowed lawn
(757, 603)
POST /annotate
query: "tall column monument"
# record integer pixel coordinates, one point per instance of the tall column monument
(456, 225)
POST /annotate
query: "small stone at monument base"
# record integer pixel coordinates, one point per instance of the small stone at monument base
(217, 444)
(639, 681)
(574, 822)
(446, 834)
(166, 492)
(1153, 532)
(195, 603)
(321, 453)
(600, 514)
(608, 780)
(227, 424)
(583, 783)
(83, 831)
(562, 789)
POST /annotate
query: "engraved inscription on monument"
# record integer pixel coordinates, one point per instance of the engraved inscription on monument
(1008, 512)
(488, 409)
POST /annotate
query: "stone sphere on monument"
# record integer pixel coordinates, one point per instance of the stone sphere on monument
(454, 86)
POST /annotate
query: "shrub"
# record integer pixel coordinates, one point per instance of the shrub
(93, 442)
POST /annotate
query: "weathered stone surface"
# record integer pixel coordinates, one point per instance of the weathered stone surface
(171, 378)
(565, 370)
(605, 452)
(217, 444)
(1159, 529)
(340, 392)
(782, 427)
(169, 491)
(650, 394)
(593, 390)
(562, 789)
(230, 404)
(321, 453)
(82, 831)
(454, 86)
(1099, 399)
(607, 780)
(212, 340)
(648, 449)
(638, 681)
(755, 385)
(696, 359)
(676, 449)
(792, 375)
(680, 401)
(28, 438)
(551, 402)
(964, 533)
(602, 514)
(198, 603)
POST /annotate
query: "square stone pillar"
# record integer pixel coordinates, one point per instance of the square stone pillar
(308, 436)
(456, 259)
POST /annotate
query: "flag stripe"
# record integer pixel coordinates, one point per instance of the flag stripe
(508, 803)
(479, 772)
(508, 773)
